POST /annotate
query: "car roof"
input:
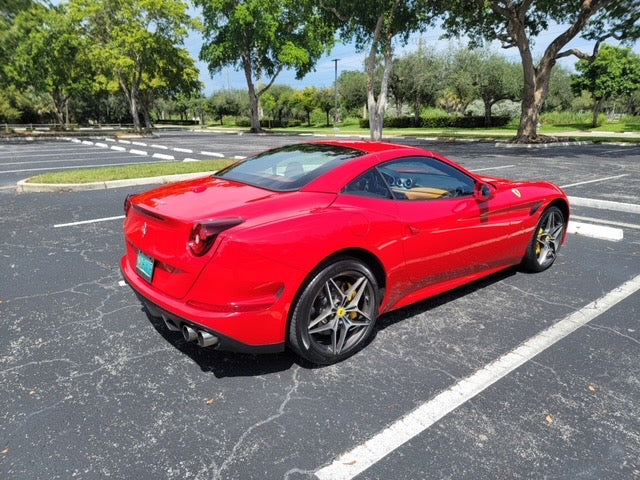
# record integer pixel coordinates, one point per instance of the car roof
(364, 145)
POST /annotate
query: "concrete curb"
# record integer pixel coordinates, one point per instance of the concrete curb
(24, 187)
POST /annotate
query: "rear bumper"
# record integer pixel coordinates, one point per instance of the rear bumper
(181, 314)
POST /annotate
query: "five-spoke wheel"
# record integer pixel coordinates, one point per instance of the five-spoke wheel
(335, 312)
(546, 241)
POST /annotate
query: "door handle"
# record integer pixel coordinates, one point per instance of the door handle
(414, 230)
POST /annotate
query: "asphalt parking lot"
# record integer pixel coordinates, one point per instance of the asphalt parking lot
(519, 376)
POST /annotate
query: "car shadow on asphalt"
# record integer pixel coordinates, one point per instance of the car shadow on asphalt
(396, 316)
(221, 363)
(232, 364)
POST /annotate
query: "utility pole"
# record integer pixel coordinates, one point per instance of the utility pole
(335, 88)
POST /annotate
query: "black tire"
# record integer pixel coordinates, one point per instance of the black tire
(335, 313)
(546, 241)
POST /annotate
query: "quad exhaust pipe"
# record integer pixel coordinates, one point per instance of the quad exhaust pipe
(204, 339)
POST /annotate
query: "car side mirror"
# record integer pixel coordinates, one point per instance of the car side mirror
(483, 192)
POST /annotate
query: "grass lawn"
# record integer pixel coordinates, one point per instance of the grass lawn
(104, 174)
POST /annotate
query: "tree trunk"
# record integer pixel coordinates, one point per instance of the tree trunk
(487, 113)
(147, 119)
(132, 98)
(59, 102)
(254, 99)
(378, 106)
(597, 106)
(536, 79)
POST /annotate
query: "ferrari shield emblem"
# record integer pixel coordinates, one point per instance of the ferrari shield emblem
(516, 192)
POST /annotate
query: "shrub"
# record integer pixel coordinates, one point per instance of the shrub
(440, 122)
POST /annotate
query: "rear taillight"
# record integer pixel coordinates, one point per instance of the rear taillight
(204, 234)
(127, 204)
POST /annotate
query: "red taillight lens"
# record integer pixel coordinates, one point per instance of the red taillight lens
(204, 234)
(127, 204)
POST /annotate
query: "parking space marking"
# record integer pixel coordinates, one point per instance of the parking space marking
(183, 150)
(163, 156)
(595, 231)
(212, 154)
(492, 168)
(594, 181)
(356, 461)
(604, 204)
(138, 152)
(607, 222)
(85, 222)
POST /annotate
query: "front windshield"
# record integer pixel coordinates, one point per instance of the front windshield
(289, 168)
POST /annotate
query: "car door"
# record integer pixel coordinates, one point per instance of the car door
(449, 231)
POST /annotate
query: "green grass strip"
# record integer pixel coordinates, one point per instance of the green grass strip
(105, 174)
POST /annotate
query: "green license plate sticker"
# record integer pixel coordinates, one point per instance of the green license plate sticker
(144, 265)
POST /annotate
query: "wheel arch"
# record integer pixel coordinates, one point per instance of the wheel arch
(563, 205)
(365, 256)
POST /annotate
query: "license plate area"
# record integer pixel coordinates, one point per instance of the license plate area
(145, 266)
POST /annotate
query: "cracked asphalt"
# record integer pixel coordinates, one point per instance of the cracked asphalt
(92, 388)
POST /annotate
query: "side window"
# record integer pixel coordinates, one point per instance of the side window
(425, 178)
(369, 184)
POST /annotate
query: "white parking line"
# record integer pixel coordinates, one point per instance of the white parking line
(191, 160)
(595, 231)
(604, 204)
(162, 147)
(118, 148)
(607, 222)
(492, 168)
(85, 222)
(163, 156)
(212, 154)
(141, 144)
(356, 461)
(122, 283)
(594, 181)
(138, 152)
(102, 145)
(183, 150)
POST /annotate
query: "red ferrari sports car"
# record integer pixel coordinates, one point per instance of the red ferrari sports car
(306, 245)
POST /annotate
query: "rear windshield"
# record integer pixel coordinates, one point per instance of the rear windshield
(288, 168)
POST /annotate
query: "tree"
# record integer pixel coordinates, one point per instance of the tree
(9, 100)
(352, 89)
(377, 24)
(263, 37)
(50, 56)
(279, 102)
(326, 101)
(227, 102)
(497, 79)
(306, 101)
(560, 95)
(517, 24)
(137, 47)
(615, 71)
(418, 78)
